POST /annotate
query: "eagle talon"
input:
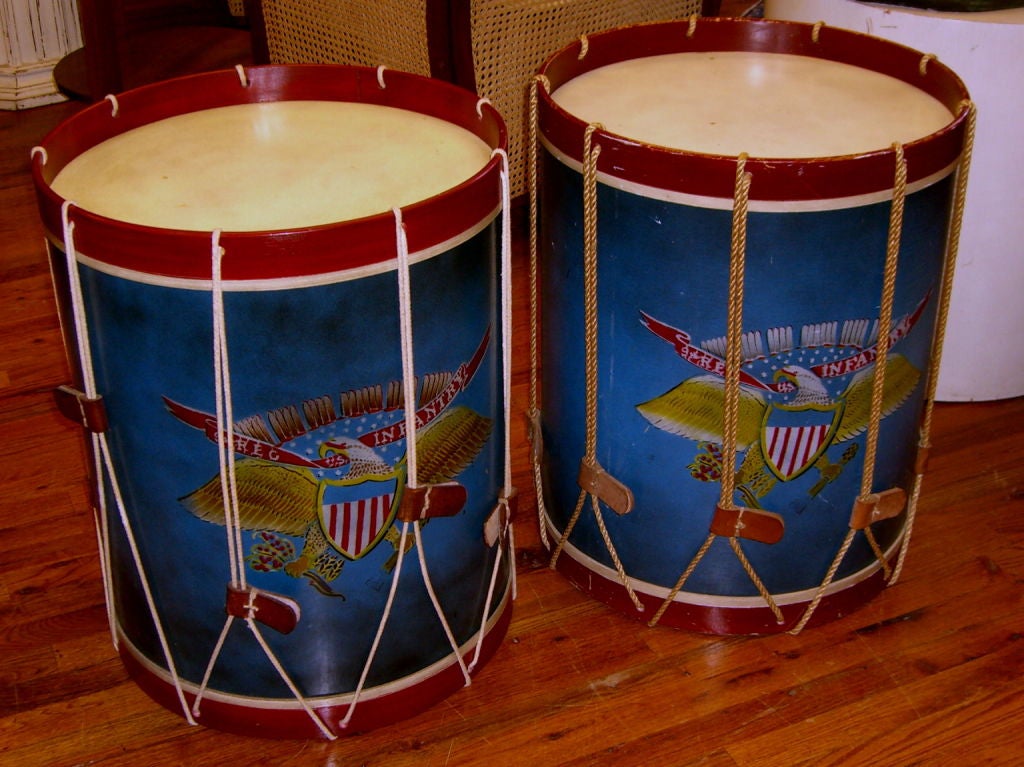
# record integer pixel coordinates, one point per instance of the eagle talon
(323, 586)
(298, 567)
(749, 499)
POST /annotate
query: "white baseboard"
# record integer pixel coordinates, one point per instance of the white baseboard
(28, 86)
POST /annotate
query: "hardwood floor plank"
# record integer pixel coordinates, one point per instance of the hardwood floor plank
(878, 726)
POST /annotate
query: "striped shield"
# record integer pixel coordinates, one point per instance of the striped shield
(792, 439)
(355, 517)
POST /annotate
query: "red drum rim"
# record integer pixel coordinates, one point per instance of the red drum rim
(278, 254)
(719, 619)
(787, 179)
(280, 719)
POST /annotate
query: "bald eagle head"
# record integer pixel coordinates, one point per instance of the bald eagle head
(809, 388)
(363, 462)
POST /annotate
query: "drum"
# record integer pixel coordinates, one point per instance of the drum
(272, 277)
(742, 249)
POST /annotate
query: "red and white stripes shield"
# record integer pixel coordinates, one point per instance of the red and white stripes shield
(789, 447)
(355, 526)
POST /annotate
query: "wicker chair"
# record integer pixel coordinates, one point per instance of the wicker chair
(491, 46)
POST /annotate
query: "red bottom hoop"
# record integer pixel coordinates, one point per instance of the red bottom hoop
(398, 700)
(843, 598)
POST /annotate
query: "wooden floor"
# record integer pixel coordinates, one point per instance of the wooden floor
(928, 673)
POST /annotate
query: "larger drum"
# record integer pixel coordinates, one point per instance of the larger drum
(276, 276)
(743, 231)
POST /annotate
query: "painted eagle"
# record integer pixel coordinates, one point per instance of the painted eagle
(694, 409)
(280, 499)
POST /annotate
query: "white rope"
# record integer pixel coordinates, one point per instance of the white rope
(243, 78)
(41, 151)
(506, 344)
(380, 628)
(412, 483)
(103, 546)
(506, 313)
(506, 528)
(380, 76)
(405, 331)
(229, 485)
(102, 448)
(77, 303)
(114, 106)
(411, 452)
(506, 334)
(212, 662)
(225, 418)
(437, 604)
(288, 681)
(480, 111)
(512, 559)
(409, 393)
(221, 396)
(250, 620)
(100, 517)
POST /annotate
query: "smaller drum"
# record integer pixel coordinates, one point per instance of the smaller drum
(743, 230)
(274, 277)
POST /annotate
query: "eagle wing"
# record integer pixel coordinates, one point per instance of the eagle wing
(446, 446)
(900, 380)
(270, 497)
(693, 409)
